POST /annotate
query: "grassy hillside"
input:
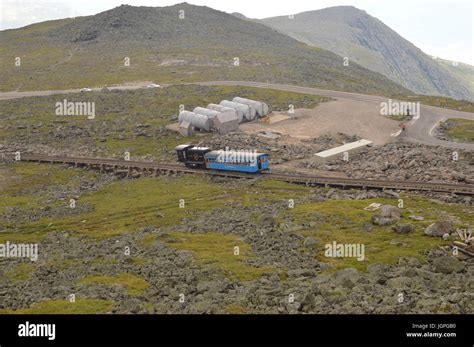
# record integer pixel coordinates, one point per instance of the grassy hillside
(91, 51)
(365, 40)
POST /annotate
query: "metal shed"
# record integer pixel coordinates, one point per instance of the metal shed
(260, 107)
(197, 120)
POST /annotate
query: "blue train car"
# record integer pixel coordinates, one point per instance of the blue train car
(237, 161)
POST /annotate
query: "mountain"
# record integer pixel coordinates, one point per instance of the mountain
(463, 71)
(238, 15)
(180, 43)
(365, 40)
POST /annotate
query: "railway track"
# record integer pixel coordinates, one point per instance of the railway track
(138, 168)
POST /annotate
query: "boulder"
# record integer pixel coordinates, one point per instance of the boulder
(398, 243)
(438, 229)
(417, 218)
(447, 265)
(379, 220)
(400, 283)
(367, 227)
(308, 302)
(347, 277)
(387, 215)
(390, 211)
(403, 228)
(311, 243)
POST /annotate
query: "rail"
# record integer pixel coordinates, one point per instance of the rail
(135, 168)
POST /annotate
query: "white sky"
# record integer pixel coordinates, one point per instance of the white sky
(442, 28)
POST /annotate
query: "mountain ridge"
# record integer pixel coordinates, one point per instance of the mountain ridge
(353, 33)
(161, 46)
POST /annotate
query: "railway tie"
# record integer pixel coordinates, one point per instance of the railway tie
(156, 168)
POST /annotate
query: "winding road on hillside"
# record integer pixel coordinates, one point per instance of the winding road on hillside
(419, 131)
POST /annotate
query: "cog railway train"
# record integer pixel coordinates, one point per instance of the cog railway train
(205, 158)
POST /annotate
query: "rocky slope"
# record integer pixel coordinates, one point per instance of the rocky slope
(365, 40)
(404, 160)
(66, 258)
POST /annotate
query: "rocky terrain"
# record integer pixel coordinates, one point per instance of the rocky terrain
(281, 149)
(405, 161)
(161, 274)
(436, 283)
(425, 287)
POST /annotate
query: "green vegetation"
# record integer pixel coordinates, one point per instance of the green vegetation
(438, 101)
(134, 204)
(135, 285)
(269, 192)
(31, 177)
(236, 309)
(120, 207)
(80, 306)
(218, 249)
(461, 130)
(63, 264)
(147, 240)
(343, 222)
(124, 207)
(104, 261)
(26, 189)
(20, 272)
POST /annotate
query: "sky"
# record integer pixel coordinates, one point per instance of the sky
(441, 28)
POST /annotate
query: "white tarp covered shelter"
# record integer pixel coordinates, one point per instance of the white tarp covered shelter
(211, 114)
(225, 109)
(248, 111)
(197, 120)
(260, 107)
